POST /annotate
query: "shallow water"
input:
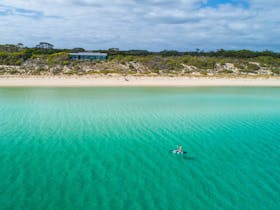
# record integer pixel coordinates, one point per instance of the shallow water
(108, 148)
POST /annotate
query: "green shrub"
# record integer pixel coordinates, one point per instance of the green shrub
(36, 72)
(252, 67)
(109, 71)
(227, 71)
(268, 61)
(13, 71)
(14, 58)
(58, 58)
(276, 71)
(72, 72)
(203, 72)
(156, 70)
(65, 63)
(201, 62)
(173, 64)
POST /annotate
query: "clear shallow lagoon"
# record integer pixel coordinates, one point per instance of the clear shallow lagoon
(108, 148)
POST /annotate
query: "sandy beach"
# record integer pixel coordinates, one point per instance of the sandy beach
(91, 81)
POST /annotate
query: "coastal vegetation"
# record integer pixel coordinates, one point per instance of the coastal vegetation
(19, 60)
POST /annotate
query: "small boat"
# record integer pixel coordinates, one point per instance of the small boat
(175, 151)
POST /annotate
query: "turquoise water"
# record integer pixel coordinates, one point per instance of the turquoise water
(108, 148)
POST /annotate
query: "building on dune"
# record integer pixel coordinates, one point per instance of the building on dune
(44, 45)
(88, 56)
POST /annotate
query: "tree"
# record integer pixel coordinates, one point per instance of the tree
(20, 45)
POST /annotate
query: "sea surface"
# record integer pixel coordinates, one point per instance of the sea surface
(109, 148)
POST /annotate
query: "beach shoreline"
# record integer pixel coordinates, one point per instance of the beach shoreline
(134, 81)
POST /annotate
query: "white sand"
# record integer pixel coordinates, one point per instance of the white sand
(88, 81)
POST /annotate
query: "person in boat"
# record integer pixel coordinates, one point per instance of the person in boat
(180, 149)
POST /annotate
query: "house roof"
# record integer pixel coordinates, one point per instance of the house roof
(89, 53)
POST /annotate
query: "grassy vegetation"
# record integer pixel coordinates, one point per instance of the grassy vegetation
(134, 61)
